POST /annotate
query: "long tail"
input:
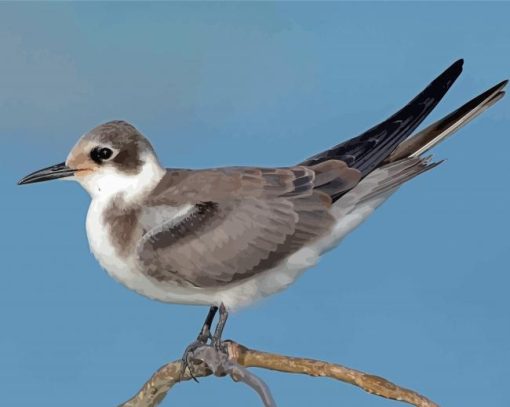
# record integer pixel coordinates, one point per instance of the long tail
(407, 161)
(432, 135)
(368, 150)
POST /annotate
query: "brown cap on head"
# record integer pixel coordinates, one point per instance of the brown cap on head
(116, 143)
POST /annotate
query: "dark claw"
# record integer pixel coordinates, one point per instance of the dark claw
(187, 357)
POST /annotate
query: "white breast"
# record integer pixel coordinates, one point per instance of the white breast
(125, 269)
(120, 268)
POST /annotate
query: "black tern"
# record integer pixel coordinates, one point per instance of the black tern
(225, 237)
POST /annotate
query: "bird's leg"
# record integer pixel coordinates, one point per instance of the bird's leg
(202, 338)
(216, 338)
(205, 332)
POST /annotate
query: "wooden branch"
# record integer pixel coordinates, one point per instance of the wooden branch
(162, 381)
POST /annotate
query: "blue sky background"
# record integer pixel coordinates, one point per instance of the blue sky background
(418, 294)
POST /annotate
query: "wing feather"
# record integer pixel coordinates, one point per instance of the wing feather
(237, 221)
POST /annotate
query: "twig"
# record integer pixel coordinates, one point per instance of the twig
(221, 364)
(157, 387)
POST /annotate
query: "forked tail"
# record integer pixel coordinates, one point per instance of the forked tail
(389, 141)
(432, 135)
(368, 150)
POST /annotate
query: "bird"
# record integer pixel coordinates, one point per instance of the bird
(227, 237)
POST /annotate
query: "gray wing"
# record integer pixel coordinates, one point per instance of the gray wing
(238, 221)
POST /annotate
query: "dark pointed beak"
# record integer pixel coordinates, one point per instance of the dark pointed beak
(46, 174)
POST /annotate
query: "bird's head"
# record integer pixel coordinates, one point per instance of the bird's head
(110, 159)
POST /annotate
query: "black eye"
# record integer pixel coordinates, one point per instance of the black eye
(99, 154)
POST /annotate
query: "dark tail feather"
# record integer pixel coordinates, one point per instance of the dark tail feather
(366, 151)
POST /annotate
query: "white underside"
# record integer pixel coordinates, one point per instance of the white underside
(348, 210)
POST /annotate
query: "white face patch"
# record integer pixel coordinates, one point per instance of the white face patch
(106, 182)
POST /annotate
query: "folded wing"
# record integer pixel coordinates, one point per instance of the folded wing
(229, 224)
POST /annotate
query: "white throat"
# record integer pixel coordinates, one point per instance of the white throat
(106, 183)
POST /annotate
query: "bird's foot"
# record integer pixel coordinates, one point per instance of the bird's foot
(200, 346)
(188, 356)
